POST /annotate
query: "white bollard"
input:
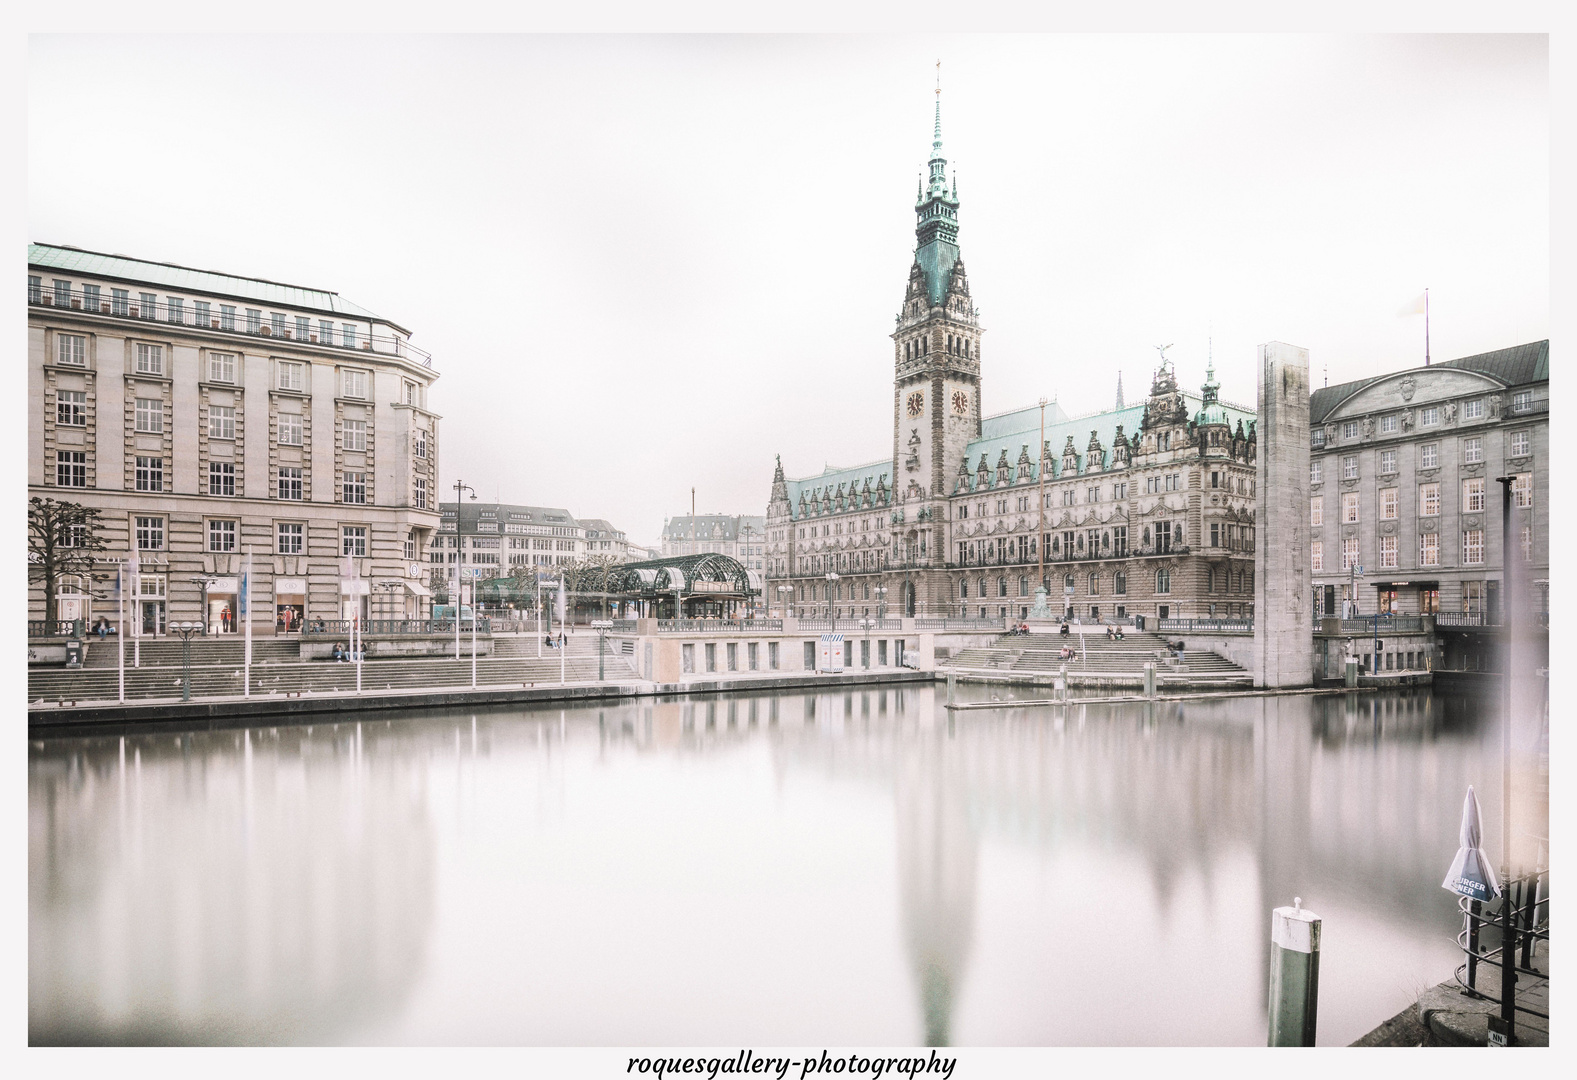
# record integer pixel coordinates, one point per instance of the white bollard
(1294, 975)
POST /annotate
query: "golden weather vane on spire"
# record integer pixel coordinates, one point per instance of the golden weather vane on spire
(939, 78)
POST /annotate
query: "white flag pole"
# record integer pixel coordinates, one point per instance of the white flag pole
(246, 618)
(136, 600)
(120, 631)
(473, 633)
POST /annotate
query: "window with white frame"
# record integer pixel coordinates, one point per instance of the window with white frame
(1163, 582)
(62, 293)
(1429, 415)
(71, 349)
(1350, 508)
(150, 533)
(71, 408)
(1473, 547)
(355, 487)
(410, 551)
(1349, 552)
(1317, 511)
(1120, 583)
(409, 396)
(355, 434)
(290, 482)
(1314, 471)
(227, 317)
(35, 289)
(1350, 429)
(90, 298)
(421, 447)
(148, 416)
(150, 304)
(348, 335)
(1388, 552)
(221, 422)
(221, 367)
(71, 468)
(292, 376)
(1526, 540)
(353, 540)
(421, 494)
(200, 314)
(221, 536)
(355, 384)
(291, 429)
(221, 478)
(1388, 424)
(303, 328)
(1388, 502)
(1473, 410)
(1428, 500)
(1522, 401)
(1429, 456)
(1473, 451)
(290, 536)
(148, 473)
(120, 302)
(1316, 555)
(1387, 462)
(1429, 549)
(325, 332)
(175, 309)
(150, 359)
(254, 320)
(1519, 444)
(1522, 490)
(1350, 467)
(1473, 495)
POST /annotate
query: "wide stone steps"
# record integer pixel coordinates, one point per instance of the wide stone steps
(157, 652)
(1038, 654)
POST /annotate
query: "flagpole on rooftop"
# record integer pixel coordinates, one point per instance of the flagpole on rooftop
(1426, 327)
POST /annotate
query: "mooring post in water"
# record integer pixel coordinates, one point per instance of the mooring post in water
(1149, 678)
(1294, 975)
(952, 684)
(1351, 674)
(1062, 682)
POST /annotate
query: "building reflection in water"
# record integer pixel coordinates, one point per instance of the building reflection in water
(283, 884)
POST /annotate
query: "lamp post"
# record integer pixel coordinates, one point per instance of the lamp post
(783, 593)
(881, 602)
(831, 611)
(1508, 971)
(1040, 498)
(602, 626)
(203, 582)
(459, 555)
(867, 625)
(186, 630)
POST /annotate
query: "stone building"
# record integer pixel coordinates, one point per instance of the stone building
(1140, 510)
(208, 414)
(495, 538)
(739, 536)
(604, 541)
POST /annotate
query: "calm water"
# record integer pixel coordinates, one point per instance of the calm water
(801, 869)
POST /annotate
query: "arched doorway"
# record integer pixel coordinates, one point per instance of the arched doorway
(908, 599)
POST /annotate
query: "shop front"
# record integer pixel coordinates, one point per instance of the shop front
(290, 604)
(222, 611)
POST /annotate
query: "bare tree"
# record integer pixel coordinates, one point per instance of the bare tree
(62, 541)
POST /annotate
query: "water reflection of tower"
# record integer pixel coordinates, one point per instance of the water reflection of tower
(937, 857)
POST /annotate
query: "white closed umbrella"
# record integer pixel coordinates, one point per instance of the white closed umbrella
(1471, 874)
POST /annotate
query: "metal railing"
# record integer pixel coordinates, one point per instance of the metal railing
(718, 626)
(1394, 624)
(1520, 905)
(624, 626)
(52, 628)
(959, 624)
(393, 627)
(1204, 625)
(236, 323)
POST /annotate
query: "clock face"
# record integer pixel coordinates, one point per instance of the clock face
(960, 402)
(916, 403)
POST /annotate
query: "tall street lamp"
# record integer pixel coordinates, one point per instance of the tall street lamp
(881, 602)
(186, 630)
(1040, 513)
(831, 611)
(783, 592)
(459, 554)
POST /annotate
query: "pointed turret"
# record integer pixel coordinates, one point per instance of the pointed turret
(1120, 405)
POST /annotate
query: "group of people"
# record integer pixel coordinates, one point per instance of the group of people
(342, 654)
(555, 641)
(1114, 633)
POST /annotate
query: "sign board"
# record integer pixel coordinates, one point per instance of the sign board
(290, 586)
(711, 586)
(471, 571)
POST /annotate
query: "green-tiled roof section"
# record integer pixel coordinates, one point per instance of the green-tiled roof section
(714, 526)
(69, 260)
(1516, 366)
(475, 513)
(830, 479)
(1020, 420)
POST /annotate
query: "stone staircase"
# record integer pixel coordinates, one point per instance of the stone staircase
(1096, 657)
(216, 672)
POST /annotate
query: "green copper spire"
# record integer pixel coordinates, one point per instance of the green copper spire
(936, 225)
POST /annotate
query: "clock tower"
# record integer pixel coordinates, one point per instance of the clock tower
(936, 352)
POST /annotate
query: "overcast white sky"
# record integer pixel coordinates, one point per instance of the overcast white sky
(647, 263)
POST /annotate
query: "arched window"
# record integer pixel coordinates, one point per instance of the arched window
(1095, 584)
(1147, 536)
(1067, 581)
(963, 588)
(1120, 583)
(1002, 586)
(1023, 585)
(1163, 581)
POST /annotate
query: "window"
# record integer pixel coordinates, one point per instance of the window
(175, 309)
(290, 482)
(120, 302)
(421, 443)
(1473, 410)
(254, 321)
(421, 494)
(1473, 495)
(290, 429)
(150, 359)
(1388, 424)
(1472, 451)
(71, 468)
(1429, 500)
(1429, 416)
(149, 303)
(1215, 534)
(149, 416)
(221, 422)
(1163, 581)
(1349, 552)
(227, 317)
(1316, 555)
(410, 552)
(1429, 455)
(1002, 586)
(71, 349)
(1473, 596)
(1350, 508)
(292, 376)
(1314, 471)
(1519, 444)
(303, 328)
(1350, 429)
(355, 434)
(221, 536)
(355, 384)
(1429, 549)
(62, 293)
(355, 487)
(353, 540)
(150, 534)
(149, 473)
(772, 654)
(1522, 490)
(1527, 543)
(221, 478)
(1388, 504)
(1473, 547)
(409, 396)
(1522, 401)
(1387, 462)
(1388, 552)
(200, 314)
(1350, 467)
(35, 289)
(1095, 585)
(221, 367)
(1120, 583)
(1317, 511)
(71, 408)
(348, 335)
(290, 537)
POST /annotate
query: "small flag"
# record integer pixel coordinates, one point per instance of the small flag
(1419, 306)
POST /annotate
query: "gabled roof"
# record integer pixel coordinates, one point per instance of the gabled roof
(1515, 366)
(506, 513)
(72, 260)
(728, 526)
(832, 476)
